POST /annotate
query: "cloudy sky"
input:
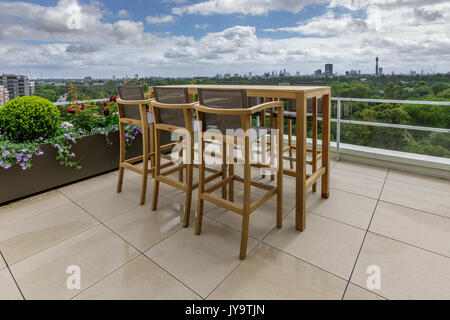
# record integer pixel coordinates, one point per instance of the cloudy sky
(101, 38)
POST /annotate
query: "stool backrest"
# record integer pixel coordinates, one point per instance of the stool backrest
(131, 93)
(222, 99)
(293, 108)
(167, 95)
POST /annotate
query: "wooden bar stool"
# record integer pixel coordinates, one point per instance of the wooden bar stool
(173, 113)
(314, 107)
(227, 112)
(132, 110)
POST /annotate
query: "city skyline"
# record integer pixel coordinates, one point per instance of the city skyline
(182, 38)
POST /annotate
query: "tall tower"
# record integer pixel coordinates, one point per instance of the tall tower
(376, 66)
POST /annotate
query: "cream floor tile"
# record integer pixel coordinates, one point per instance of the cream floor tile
(268, 273)
(8, 288)
(325, 243)
(30, 207)
(418, 228)
(362, 169)
(140, 279)
(2, 263)
(356, 293)
(30, 236)
(108, 204)
(262, 221)
(201, 262)
(97, 252)
(85, 188)
(144, 228)
(406, 272)
(420, 180)
(343, 206)
(364, 185)
(417, 197)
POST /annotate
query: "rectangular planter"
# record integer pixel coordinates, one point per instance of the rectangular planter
(95, 156)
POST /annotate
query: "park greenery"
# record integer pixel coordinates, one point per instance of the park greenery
(400, 87)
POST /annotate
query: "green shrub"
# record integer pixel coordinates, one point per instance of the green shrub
(29, 118)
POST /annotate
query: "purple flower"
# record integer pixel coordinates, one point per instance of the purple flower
(40, 153)
(24, 150)
(41, 138)
(29, 156)
(57, 145)
(7, 166)
(73, 155)
(22, 164)
(20, 155)
(61, 150)
(2, 147)
(24, 168)
(1, 163)
(6, 153)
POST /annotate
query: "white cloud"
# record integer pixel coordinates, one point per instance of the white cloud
(405, 37)
(201, 26)
(123, 13)
(246, 7)
(159, 19)
(327, 24)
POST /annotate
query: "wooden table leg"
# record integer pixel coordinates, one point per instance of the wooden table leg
(326, 100)
(314, 140)
(300, 209)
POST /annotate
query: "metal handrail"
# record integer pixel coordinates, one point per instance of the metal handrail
(338, 119)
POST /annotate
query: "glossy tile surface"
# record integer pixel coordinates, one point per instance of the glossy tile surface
(405, 272)
(38, 233)
(325, 243)
(8, 288)
(128, 251)
(413, 227)
(201, 262)
(268, 273)
(140, 279)
(96, 252)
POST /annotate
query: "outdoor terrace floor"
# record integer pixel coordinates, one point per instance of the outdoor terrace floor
(397, 221)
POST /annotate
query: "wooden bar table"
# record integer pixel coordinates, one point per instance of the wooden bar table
(301, 94)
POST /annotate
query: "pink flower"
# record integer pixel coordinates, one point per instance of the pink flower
(80, 107)
(113, 99)
(70, 110)
(106, 112)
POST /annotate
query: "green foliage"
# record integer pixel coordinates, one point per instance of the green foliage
(29, 118)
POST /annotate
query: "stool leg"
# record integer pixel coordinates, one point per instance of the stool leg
(145, 155)
(291, 160)
(122, 157)
(187, 208)
(231, 186)
(314, 141)
(201, 188)
(180, 154)
(224, 168)
(157, 169)
(152, 149)
(246, 207)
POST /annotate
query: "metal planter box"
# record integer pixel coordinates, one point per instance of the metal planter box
(95, 156)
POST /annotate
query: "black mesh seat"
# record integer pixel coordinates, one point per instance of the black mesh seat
(228, 99)
(132, 111)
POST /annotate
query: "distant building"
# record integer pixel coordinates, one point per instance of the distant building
(136, 77)
(318, 73)
(380, 71)
(227, 76)
(87, 79)
(16, 85)
(376, 66)
(4, 97)
(329, 69)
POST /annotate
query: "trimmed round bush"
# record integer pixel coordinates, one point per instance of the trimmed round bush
(29, 118)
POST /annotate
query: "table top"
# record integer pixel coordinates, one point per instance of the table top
(255, 88)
